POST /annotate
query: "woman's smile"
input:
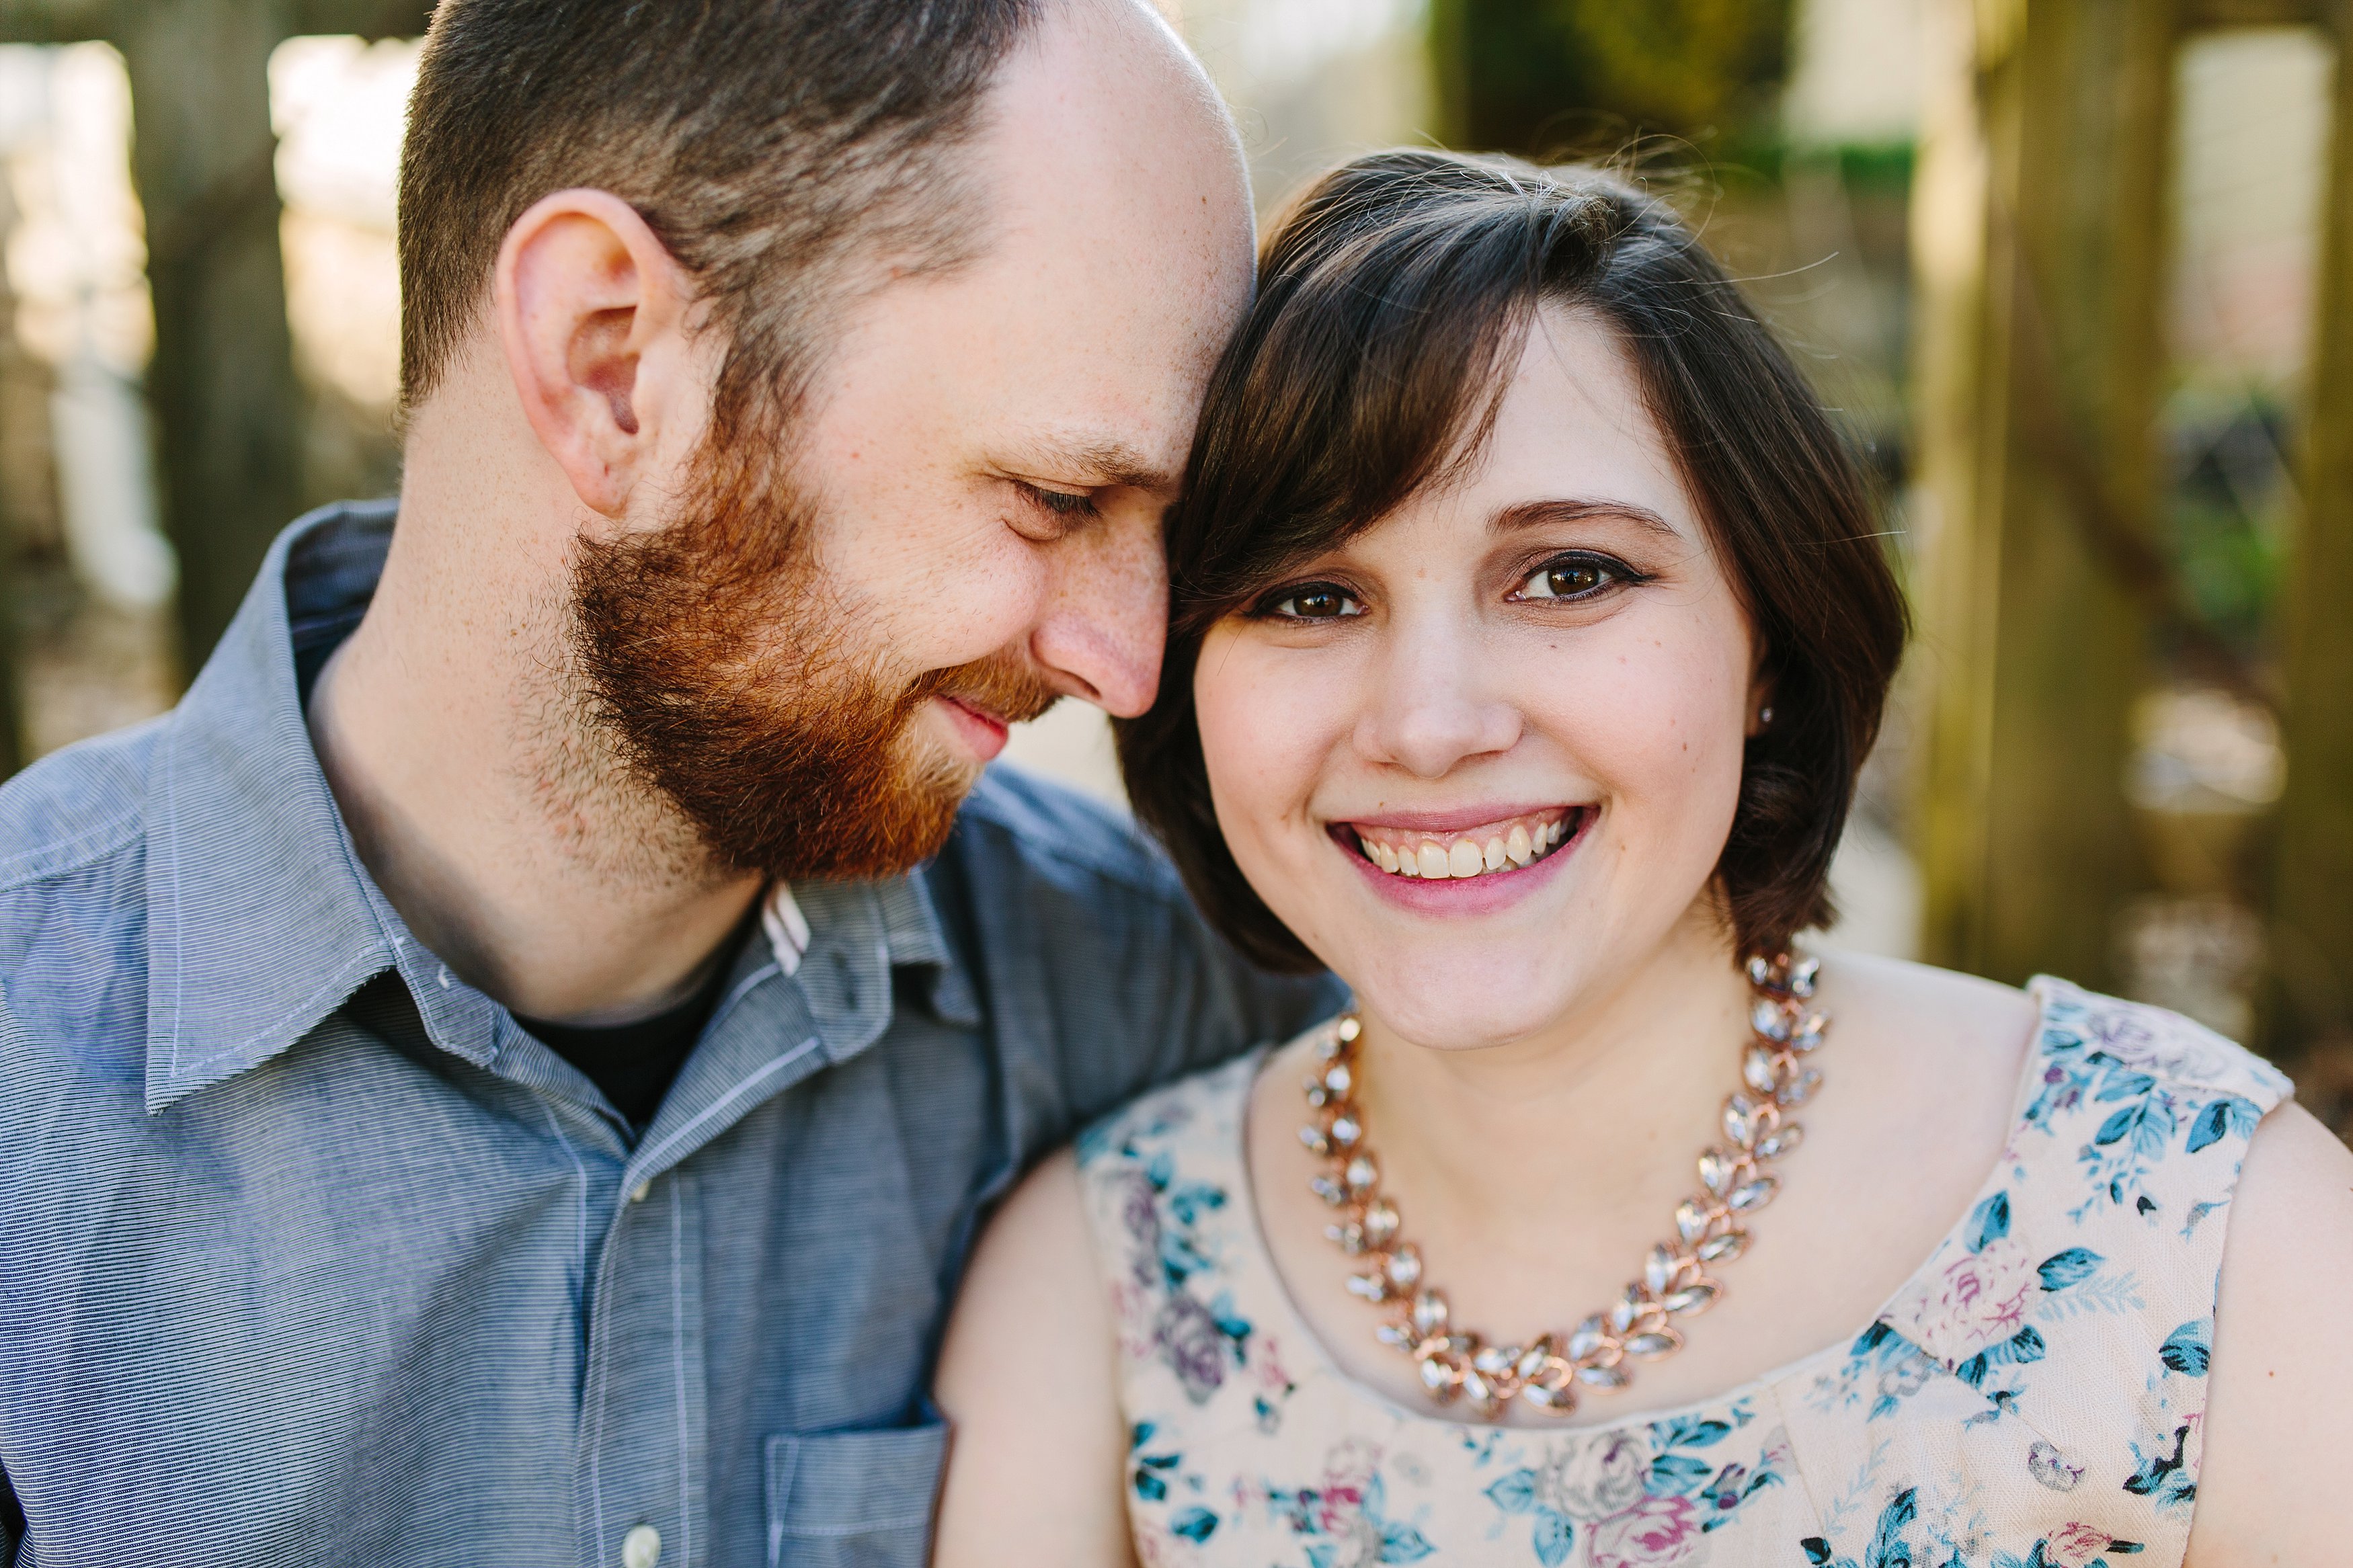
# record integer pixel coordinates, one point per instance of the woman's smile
(1462, 862)
(1494, 763)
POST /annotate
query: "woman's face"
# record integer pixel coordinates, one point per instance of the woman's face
(1482, 758)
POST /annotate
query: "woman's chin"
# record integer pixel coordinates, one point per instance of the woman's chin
(1461, 1013)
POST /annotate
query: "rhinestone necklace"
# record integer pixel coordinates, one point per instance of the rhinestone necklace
(1675, 1283)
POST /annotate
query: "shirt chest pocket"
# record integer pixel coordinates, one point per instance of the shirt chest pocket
(853, 1499)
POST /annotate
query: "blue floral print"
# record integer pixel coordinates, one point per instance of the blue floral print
(1357, 1517)
(2032, 1397)
(1678, 1494)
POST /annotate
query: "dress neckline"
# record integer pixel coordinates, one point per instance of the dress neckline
(1325, 1364)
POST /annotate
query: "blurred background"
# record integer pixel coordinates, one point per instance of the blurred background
(2075, 272)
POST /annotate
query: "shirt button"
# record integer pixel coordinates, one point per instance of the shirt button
(641, 1548)
(639, 1194)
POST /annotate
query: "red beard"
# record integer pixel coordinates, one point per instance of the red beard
(732, 681)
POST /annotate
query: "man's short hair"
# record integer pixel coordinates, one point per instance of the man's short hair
(772, 144)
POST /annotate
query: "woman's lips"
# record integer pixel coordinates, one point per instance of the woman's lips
(1482, 891)
(1437, 850)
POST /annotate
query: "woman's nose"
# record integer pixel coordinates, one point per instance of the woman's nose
(1432, 713)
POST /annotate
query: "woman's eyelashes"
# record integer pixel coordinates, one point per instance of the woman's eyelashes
(1574, 576)
(1577, 575)
(1310, 602)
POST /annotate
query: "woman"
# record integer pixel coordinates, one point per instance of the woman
(1529, 630)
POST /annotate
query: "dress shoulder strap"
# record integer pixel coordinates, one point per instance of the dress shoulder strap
(1169, 1204)
(2078, 1295)
(2184, 1057)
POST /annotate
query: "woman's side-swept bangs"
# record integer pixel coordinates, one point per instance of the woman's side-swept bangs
(1368, 367)
(1372, 364)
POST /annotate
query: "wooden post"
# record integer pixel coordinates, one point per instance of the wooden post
(2039, 214)
(2312, 908)
(1450, 70)
(229, 409)
(24, 465)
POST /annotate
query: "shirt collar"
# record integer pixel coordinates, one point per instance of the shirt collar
(838, 940)
(261, 918)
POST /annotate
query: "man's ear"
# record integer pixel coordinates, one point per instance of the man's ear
(592, 311)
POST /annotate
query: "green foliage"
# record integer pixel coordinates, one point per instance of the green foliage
(1540, 76)
(2229, 516)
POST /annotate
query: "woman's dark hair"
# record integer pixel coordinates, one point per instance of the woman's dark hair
(1393, 296)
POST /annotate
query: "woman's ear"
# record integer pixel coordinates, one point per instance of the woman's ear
(1760, 704)
(592, 311)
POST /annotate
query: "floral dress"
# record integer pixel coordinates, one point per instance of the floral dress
(2031, 1398)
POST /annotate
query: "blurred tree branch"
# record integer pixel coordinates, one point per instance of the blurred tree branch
(2063, 441)
(1545, 76)
(229, 410)
(2039, 223)
(2196, 13)
(54, 21)
(80, 21)
(2312, 893)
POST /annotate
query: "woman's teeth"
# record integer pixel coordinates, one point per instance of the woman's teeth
(1498, 846)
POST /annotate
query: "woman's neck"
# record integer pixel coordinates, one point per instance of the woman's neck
(1609, 1103)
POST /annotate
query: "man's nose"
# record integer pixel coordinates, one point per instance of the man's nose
(1106, 619)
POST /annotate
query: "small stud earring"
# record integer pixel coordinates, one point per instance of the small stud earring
(1765, 717)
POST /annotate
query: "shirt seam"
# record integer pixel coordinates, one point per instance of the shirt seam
(863, 1527)
(726, 1101)
(580, 1223)
(179, 926)
(344, 981)
(599, 1352)
(678, 1368)
(118, 833)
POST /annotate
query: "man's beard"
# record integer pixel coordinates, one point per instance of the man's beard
(730, 678)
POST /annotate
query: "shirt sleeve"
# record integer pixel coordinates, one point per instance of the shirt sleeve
(1240, 1006)
(1102, 978)
(1185, 1000)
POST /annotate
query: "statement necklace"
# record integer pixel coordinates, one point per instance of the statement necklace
(1675, 1282)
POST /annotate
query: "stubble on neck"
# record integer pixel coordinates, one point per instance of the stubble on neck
(586, 799)
(492, 813)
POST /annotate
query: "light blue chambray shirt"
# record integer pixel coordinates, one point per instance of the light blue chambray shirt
(309, 1255)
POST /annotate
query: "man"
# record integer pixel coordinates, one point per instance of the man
(508, 1071)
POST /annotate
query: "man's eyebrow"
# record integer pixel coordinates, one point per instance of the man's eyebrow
(1540, 513)
(1106, 459)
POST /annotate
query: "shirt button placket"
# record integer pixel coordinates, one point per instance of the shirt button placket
(641, 1547)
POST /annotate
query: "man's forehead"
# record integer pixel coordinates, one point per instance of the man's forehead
(1101, 125)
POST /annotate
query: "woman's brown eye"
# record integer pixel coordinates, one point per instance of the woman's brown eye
(1567, 580)
(1321, 603)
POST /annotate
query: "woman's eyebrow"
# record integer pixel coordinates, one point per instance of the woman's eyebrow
(1540, 513)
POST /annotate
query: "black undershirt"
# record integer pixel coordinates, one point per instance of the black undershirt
(635, 1064)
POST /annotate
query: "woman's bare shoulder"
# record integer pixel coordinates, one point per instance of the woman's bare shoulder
(1032, 1281)
(2279, 1414)
(1041, 1228)
(1919, 1008)
(1028, 1376)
